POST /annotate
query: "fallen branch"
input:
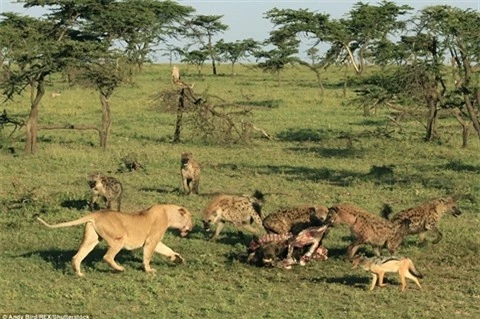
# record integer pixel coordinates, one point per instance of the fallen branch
(262, 131)
(5, 120)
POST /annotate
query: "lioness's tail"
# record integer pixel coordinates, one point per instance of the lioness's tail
(412, 270)
(76, 222)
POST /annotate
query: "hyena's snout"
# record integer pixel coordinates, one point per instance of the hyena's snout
(456, 212)
(207, 226)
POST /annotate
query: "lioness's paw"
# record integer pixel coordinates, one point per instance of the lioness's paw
(151, 271)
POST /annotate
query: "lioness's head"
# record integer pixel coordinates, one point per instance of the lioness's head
(183, 221)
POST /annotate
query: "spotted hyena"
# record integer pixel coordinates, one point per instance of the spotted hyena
(294, 219)
(425, 217)
(190, 171)
(368, 228)
(241, 211)
(106, 187)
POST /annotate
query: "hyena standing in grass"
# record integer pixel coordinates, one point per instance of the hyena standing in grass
(424, 217)
(241, 211)
(190, 171)
(368, 228)
(106, 187)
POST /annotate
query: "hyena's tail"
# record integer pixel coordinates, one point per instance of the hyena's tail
(413, 271)
(257, 204)
(386, 211)
(258, 195)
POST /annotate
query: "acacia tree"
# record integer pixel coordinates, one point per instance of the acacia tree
(140, 26)
(350, 38)
(206, 26)
(458, 32)
(316, 65)
(437, 33)
(35, 49)
(275, 60)
(79, 35)
(195, 57)
(234, 51)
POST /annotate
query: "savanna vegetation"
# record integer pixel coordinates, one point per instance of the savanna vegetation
(393, 130)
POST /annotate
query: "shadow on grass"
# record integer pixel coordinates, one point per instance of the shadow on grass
(78, 204)
(331, 152)
(359, 282)
(164, 189)
(377, 174)
(269, 104)
(377, 122)
(303, 135)
(459, 166)
(197, 232)
(336, 177)
(234, 238)
(62, 259)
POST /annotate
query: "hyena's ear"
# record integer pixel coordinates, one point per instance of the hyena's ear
(457, 197)
(331, 215)
(314, 213)
(449, 199)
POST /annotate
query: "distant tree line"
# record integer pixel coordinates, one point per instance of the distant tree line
(100, 44)
(416, 50)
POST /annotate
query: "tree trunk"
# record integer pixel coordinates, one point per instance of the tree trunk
(178, 124)
(32, 122)
(352, 59)
(212, 54)
(465, 126)
(106, 120)
(214, 67)
(431, 121)
(472, 112)
(467, 71)
(320, 84)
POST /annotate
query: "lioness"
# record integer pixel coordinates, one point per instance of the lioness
(130, 231)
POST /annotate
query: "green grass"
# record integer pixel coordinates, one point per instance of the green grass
(323, 153)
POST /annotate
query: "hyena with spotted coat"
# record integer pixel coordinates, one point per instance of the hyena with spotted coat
(106, 187)
(425, 217)
(294, 219)
(190, 171)
(368, 229)
(241, 211)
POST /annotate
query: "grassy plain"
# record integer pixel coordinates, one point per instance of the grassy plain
(310, 161)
